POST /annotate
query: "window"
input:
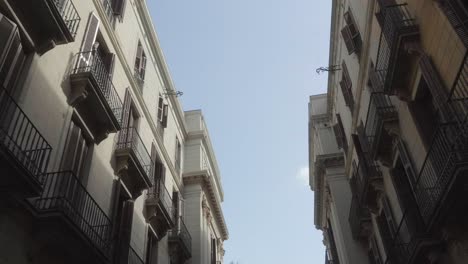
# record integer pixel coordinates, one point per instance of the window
(162, 112)
(178, 155)
(175, 206)
(351, 35)
(12, 55)
(340, 135)
(213, 250)
(387, 225)
(151, 249)
(118, 7)
(122, 216)
(346, 87)
(140, 65)
(77, 154)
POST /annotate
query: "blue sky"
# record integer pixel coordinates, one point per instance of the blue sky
(250, 66)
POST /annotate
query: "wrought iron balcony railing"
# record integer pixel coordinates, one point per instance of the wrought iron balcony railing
(65, 194)
(448, 151)
(69, 14)
(397, 24)
(365, 173)
(129, 139)
(165, 200)
(91, 63)
(457, 14)
(20, 139)
(133, 257)
(181, 233)
(409, 238)
(358, 218)
(380, 111)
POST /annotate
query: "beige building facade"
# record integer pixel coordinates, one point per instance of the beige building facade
(93, 142)
(388, 141)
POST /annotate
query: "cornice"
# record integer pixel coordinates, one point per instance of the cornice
(203, 178)
(321, 163)
(134, 87)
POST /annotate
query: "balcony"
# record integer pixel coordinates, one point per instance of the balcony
(48, 22)
(398, 30)
(410, 242)
(159, 210)
(24, 152)
(133, 161)
(72, 219)
(366, 183)
(441, 181)
(457, 14)
(380, 114)
(133, 257)
(359, 220)
(94, 96)
(180, 242)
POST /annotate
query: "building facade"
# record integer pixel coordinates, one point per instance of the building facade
(93, 151)
(388, 141)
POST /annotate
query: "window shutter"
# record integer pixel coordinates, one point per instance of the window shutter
(12, 55)
(109, 60)
(153, 164)
(143, 66)
(165, 113)
(338, 136)
(389, 217)
(348, 40)
(125, 230)
(90, 33)
(346, 87)
(160, 108)
(126, 109)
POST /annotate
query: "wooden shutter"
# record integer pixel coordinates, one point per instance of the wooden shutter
(143, 65)
(348, 39)
(125, 231)
(76, 152)
(346, 87)
(138, 58)
(175, 202)
(90, 33)
(109, 60)
(160, 108)
(340, 134)
(12, 55)
(153, 164)
(118, 6)
(126, 109)
(165, 113)
(389, 216)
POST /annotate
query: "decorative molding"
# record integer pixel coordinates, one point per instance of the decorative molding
(204, 179)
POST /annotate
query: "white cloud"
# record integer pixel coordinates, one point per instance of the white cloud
(303, 175)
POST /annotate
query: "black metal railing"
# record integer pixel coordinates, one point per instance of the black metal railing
(20, 138)
(69, 14)
(133, 257)
(91, 62)
(379, 111)
(457, 14)
(449, 149)
(404, 243)
(130, 139)
(365, 173)
(459, 92)
(396, 22)
(165, 200)
(181, 232)
(358, 216)
(65, 194)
